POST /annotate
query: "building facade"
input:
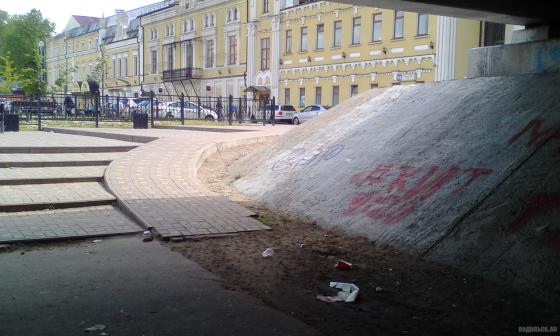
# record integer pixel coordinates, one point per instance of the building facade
(316, 52)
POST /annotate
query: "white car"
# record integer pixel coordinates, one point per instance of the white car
(307, 113)
(173, 110)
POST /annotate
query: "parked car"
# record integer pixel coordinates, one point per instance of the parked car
(129, 104)
(282, 112)
(307, 113)
(173, 110)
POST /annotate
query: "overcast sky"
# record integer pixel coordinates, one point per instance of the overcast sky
(59, 11)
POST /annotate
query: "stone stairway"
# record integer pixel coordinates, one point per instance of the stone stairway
(51, 187)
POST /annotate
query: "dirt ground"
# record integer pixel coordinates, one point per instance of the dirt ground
(399, 293)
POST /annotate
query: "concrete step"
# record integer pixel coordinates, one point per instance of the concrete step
(95, 221)
(44, 175)
(28, 197)
(66, 149)
(57, 160)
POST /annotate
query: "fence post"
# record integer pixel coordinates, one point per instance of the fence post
(96, 109)
(118, 107)
(230, 109)
(240, 110)
(182, 101)
(198, 107)
(273, 112)
(152, 109)
(39, 114)
(264, 102)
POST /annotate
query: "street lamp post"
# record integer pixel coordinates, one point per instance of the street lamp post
(41, 79)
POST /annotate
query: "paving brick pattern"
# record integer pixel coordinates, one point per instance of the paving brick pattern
(56, 193)
(156, 184)
(50, 139)
(66, 159)
(29, 175)
(64, 224)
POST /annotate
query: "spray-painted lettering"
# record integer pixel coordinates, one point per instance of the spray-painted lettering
(300, 158)
(537, 134)
(400, 190)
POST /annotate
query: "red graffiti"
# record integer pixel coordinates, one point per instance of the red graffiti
(536, 136)
(402, 189)
(535, 206)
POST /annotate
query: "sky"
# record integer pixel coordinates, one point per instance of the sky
(59, 11)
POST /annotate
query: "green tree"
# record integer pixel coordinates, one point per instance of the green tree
(19, 38)
(8, 74)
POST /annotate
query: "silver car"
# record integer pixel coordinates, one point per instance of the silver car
(173, 110)
(307, 113)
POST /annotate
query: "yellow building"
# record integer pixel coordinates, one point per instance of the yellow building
(315, 52)
(196, 48)
(103, 49)
(325, 52)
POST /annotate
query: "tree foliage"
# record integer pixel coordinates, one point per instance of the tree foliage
(19, 40)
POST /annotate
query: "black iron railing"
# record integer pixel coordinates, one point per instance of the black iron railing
(182, 74)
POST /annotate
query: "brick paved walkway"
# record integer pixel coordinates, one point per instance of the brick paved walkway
(34, 196)
(157, 182)
(64, 224)
(57, 160)
(11, 176)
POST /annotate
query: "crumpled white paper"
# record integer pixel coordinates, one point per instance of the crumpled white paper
(348, 293)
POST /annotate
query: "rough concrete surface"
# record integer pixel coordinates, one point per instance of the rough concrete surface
(130, 287)
(413, 165)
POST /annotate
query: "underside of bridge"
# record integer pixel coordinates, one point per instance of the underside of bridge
(526, 13)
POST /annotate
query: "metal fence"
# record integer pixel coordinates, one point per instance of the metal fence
(161, 109)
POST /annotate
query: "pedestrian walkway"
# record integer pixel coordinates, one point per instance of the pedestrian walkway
(43, 171)
(93, 221)
(14, 176)
(157, 182)
(57, 160)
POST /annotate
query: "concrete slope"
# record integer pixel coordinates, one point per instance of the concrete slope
(412, 166)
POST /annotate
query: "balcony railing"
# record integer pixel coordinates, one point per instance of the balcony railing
(181, 74)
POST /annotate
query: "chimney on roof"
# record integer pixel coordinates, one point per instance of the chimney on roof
(122, 18)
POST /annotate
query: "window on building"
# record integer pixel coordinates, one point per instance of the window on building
(169, 57)
(114, 68)
(154, 61)
(90, 44)
(353, 90)
(303, 39)
(265, 53)
(373, 85)
(335, 95)
(209, 53)
(376, 28)
(168, 30)
(288, 48)
(125, 66)
(337, 34)
(265, 6)
(356, 30)
(398, 29)
(232, 56)
(320, 36)
(189, 54)
(235, 14)
(422, 25)
(287, 96)
(494, 33)
(135, 63)
(318, 98)
(301, 97)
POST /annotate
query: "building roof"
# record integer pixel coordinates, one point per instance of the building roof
(84, 20)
